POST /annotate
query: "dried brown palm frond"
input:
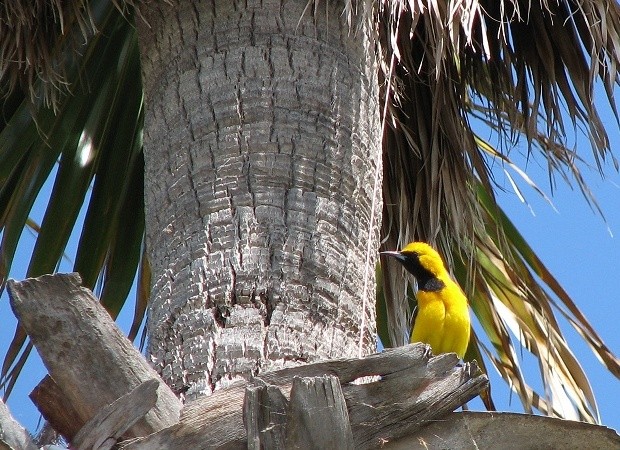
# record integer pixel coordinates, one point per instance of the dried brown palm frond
(44, 34)
(31, 58)
(528, 70)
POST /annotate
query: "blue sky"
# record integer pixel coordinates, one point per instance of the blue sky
(580, 248)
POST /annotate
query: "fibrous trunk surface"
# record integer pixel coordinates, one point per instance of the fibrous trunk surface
(261, 148)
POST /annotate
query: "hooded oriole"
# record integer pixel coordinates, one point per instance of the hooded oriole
(442, 319)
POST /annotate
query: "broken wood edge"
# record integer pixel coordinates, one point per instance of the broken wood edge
(55, 407)
(223, 410)
(501, 430)
(111, 422)
(317, 415)
(389, 408)
(264, 417)
(84, 331)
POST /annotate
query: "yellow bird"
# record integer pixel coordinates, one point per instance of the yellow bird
(442, 319)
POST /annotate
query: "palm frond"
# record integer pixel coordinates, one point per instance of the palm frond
(527, 70)
(29, 59)
(90, 141)
(32, 61)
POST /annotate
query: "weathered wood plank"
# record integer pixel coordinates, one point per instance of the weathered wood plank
(318, 417)
(12, 434)
(264, 417)
(471, 430)
(210, 422)
(390, 361)
(409, 374)
(86, 354)
(401, 403)
(56, 408)
(110, 423)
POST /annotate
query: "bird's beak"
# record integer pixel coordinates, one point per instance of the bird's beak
(394, 254)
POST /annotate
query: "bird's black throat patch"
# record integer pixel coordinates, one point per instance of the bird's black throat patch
(431, 284)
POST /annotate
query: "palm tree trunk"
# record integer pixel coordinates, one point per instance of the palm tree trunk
(262, 148)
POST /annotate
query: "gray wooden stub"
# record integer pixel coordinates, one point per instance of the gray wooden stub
(264, 417)
(12, 434)
(318, 417)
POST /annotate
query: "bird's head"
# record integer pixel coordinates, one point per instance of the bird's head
(419, 259)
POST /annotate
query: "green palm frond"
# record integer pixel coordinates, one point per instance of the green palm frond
(525, 70)
(89, 139)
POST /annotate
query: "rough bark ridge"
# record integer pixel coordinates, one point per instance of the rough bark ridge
(261, 148)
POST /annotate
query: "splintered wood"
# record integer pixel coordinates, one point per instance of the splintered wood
(88, 358)
(116, 398)
(412, 388)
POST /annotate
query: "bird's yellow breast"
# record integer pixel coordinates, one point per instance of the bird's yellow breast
(443, 320)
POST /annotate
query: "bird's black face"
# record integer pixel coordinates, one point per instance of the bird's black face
(411, 263)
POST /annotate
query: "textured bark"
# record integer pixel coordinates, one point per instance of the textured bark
(261, 149)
